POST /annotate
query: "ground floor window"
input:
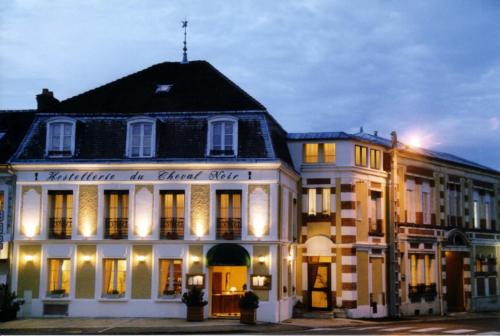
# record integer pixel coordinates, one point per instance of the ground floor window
(170, 277)
(115, 273)
(59, 277)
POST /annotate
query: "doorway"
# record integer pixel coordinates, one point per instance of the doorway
(319, 283)
(228, 284)
(455, 281)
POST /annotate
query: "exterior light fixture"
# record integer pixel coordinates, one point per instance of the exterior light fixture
(195, 259)
(141, 258)
(262, 259)
(290, 258)
(86, 258)
(29, 258)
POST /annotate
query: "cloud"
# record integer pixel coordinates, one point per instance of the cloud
(316, 65)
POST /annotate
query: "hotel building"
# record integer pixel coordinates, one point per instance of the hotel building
(172, 177)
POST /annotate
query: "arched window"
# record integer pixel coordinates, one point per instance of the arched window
(141, 137)
(60, 137)
(223, 136)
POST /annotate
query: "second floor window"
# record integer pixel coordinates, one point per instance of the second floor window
(141, 139)
(172, 216)
(374, 159)
(223, 137)
(487, 215)
(116, 214)
(326, 199)
(426, 211)
(375, 211)
(319, 153)
(228, 214)
(311, 193)
(60, 214)
(361, 155)
(476, 214)
(311, 153)
(60, 138)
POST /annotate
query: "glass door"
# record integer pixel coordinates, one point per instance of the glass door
(320, 286)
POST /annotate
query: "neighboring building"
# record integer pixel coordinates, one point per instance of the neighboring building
(13, 127)
(173, 177)
(445, 224)
(169, 178)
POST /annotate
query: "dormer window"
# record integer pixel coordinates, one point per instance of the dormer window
(60, 137)
(141, 138)
(223, 136)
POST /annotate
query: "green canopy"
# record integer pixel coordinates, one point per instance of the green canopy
(228, 255)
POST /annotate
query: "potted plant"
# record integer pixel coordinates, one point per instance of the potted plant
(9, 304)
(193, 299)
(249, 303)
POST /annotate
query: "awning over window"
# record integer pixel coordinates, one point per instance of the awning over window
(228, 255)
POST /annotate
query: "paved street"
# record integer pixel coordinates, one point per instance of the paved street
(481, 326)
(465, 324)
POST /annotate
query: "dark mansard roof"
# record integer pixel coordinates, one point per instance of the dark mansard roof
(194, 86)
(13, 127)
(180, 137)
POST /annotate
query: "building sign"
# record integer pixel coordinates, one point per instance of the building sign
(222, 175)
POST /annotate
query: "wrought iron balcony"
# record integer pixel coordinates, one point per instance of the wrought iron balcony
(60, 228)
(172, 228)
(116, 228)
(228, 228)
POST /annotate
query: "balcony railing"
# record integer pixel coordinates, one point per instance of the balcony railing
(116, 228)
(228, 228)
(172, 228)
(60, 228)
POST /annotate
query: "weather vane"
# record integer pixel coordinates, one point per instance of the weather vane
(184, 55)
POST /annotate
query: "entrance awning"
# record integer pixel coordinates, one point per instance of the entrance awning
(228, 255)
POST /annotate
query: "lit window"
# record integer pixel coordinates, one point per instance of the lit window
(223, 137)
(329, 149)
(115, 274)
(170, 277)
(141, 138)
(410, 206)
(374, 159)
(326, 201)
(172, 216)
(361, 154)
(59, 277)
(476, 214)
(116, 214)
(312, 201)
(60, 137)
(311, 153)
(60, 214)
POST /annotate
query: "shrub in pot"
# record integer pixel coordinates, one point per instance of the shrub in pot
(249, 303)
(9, 304)
(193, 299)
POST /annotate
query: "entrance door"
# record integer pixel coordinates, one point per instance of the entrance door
(455, 281)
(319, 286)
(228, 284)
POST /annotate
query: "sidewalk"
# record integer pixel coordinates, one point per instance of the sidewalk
(138, 326)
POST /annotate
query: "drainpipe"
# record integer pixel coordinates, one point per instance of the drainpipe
(440, 278)
(393, 291)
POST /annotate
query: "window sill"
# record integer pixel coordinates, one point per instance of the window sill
(167, 300)
(111, 299)
(56, 299)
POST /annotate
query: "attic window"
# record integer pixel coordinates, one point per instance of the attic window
(60, 137)
(163, 88)
(141, 137)
(223, 136)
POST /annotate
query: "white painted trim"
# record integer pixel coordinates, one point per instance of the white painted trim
(232, 119)
(143, 120)
(48, 134)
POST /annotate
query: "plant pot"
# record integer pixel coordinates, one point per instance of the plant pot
(195, 313)
(248, 316)
(8, 314)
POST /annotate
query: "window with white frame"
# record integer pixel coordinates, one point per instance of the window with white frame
(60, 137)
(326, 201)
(311, 192)
(223, 137)
(114, 277)
(476, 214)
(141, 137)
(59, 277)
(170, 277)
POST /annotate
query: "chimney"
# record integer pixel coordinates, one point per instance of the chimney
(375, 133)
(361, 129)
(45, 100)
(394, 139)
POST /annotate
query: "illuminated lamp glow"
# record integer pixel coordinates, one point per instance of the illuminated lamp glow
(195, 259)
(141, 258)
(29, 258)
(86, 258)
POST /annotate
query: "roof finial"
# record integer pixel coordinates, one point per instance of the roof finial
(184, 55)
